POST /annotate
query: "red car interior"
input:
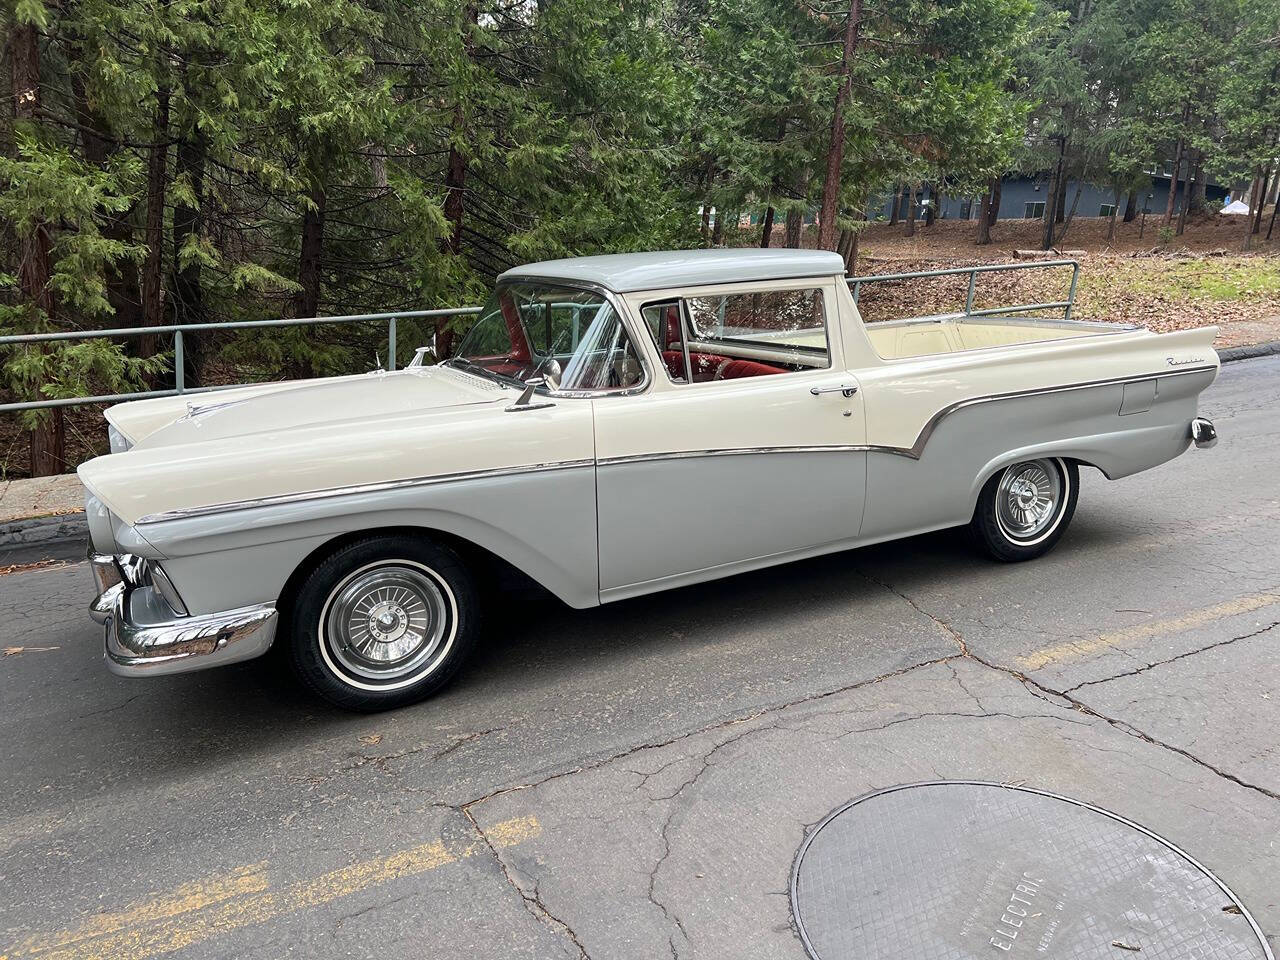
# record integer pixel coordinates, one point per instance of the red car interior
(706, 366)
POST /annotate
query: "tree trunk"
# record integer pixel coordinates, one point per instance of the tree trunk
(1255, 192)
(897, 206)
(835, 152)
(123, 291)
(1256, 209)
(47, 441)
(1061, 204)
(307, 303)
(1198, 187)
(910, 229)
(717, 232)
(153, 266)
(455, 185)
(795, 228)
(1115, 207)
(188, 294)
(1131, 207)
(993, 214)
(935, 207)
(1075, 202)
(766, 228)
(795, 217)
(1051, 204)
(1272, 225)
(984, 222)
(1173, 185)
(844, 245)
(455, 180)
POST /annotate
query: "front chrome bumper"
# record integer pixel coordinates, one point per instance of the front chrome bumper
(145, 637)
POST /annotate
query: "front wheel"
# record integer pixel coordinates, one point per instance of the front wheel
(1024, 509)
(383, 622)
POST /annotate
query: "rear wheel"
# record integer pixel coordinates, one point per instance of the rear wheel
(1024, 509)
(383, 622)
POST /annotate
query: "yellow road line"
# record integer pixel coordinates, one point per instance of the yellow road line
(1078, 649)
(210, 908)
(248, 879)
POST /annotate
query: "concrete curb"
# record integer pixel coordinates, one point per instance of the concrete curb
(58, 528)
(1249, 352)
(40, 531)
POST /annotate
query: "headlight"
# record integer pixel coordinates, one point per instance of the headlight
(119, 442)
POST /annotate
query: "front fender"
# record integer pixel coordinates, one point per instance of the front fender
(543, 523)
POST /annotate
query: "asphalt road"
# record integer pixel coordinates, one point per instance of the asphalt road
(634, 781)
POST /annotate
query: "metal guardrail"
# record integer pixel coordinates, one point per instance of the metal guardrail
(1065, 306)
(178, 331)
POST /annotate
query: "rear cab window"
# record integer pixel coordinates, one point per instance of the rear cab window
(732, 336)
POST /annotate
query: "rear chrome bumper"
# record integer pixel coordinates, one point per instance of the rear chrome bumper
(1203, 433)
(145, 637)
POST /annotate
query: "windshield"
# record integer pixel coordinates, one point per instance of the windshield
(572, 338)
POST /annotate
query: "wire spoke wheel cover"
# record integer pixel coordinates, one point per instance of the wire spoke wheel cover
(387, 625)
(958, 869)
(1029, 500)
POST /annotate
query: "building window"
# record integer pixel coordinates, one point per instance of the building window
(1033, 210)
(1107, 210)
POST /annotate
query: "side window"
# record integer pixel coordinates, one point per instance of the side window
(738, 335)
(666, 328)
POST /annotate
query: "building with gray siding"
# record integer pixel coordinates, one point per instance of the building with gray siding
(1025, 197)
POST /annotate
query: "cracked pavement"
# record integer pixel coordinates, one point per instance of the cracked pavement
(634, 781)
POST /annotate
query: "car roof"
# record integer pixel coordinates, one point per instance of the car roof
(628, 272)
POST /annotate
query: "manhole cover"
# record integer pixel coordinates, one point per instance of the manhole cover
(935, 871)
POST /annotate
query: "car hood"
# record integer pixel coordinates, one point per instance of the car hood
(240, 448)
(275, 407)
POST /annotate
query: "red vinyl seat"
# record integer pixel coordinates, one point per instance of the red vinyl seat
(736, 369)
(713, 366)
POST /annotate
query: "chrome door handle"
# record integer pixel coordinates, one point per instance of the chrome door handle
(844, 389)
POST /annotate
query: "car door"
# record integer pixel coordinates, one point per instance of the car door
(748, 449)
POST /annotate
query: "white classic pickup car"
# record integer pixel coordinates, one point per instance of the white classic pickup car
(610, 426)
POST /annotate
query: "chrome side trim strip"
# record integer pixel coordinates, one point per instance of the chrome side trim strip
(378, 487)
(734, 452)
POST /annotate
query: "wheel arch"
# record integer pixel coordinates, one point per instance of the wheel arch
(1081, 458)
(487, 565)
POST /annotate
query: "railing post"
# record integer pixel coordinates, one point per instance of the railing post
(857, 288)
(179, 363)
(968, 300)
(391, 343)
(1071, 296)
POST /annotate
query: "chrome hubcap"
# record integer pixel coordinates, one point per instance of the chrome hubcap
(1028, 499)
(386, 621)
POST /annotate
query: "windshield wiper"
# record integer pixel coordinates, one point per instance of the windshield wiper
(462, 363)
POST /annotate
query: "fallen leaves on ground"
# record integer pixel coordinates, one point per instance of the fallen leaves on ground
(36, 565)
(1163, 294)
